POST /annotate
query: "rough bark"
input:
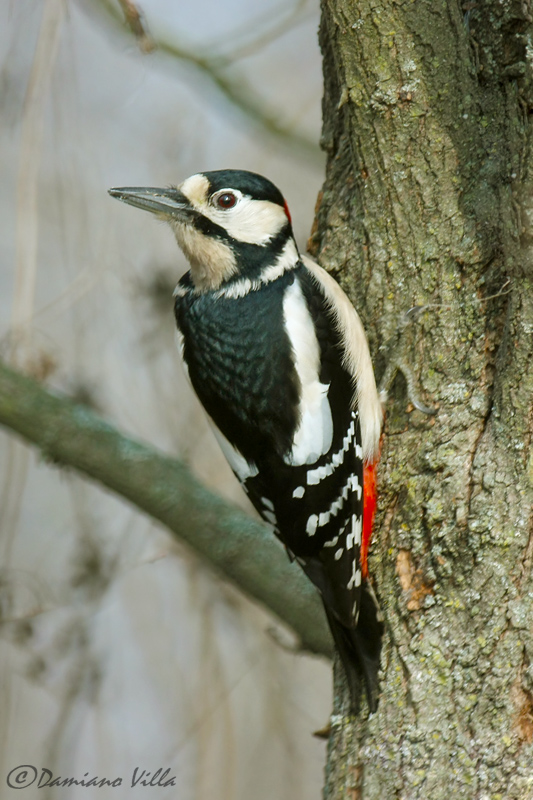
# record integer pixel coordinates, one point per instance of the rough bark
(237, 546)
(427, 201)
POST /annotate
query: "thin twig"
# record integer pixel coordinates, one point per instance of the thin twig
(415, 311)
(135, 22)
(280, 26)
(234, 89)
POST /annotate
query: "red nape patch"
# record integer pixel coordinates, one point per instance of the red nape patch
(288, 213)
(370, 497)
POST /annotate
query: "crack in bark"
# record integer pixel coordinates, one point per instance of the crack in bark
(527, 559)
(473, 453)
(491, 393)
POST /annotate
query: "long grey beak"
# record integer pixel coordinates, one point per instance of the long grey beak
(166, 202)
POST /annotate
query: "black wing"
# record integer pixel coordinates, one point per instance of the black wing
(237, 352)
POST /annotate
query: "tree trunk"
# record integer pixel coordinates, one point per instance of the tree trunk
(428, 202)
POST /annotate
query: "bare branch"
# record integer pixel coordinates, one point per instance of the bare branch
(243, 550)
(135, 22)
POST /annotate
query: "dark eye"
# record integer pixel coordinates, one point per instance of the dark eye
(226, 200)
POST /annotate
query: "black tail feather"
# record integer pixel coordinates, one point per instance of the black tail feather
(359, 648)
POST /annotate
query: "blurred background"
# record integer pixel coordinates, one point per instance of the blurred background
(119, 648)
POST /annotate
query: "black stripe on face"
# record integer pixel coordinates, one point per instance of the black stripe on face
(250, 258)
(249, 183)
(207, 227)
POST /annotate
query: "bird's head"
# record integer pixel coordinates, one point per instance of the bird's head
(230, 224)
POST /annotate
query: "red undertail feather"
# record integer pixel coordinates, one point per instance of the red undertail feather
(370, 497)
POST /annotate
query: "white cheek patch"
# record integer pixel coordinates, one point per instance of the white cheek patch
(252, 221)
(314, 434)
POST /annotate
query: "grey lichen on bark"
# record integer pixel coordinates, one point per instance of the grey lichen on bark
(427, 202)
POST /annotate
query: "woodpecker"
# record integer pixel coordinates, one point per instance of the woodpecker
(278, 358)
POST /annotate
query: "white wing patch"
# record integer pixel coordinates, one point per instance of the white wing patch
(356, 358)
(315, 430)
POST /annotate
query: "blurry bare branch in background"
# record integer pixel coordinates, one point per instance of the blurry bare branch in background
(135, 22)
(32, 132)
(213, 67)
(22, 349)
(238, 46)
(269, 31)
